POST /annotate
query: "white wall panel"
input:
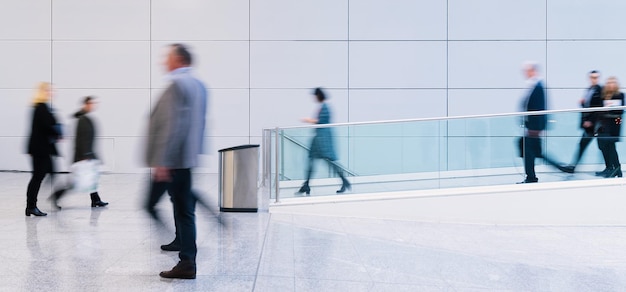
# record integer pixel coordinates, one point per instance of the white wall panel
(118, 112)
(101, 64)
(398, 65)
(101, 20)
(25, 19)
(128, 155)
(381, 104)
(569, 62)
(462, 102)
(219, 64)
(298, 64)
(200, 20)
(228, 113)
(583, 19)
(15, 112)
(14, 155)
(299, 20)
(24, 63)
(397, 20)
(497, 20)
(492, 64)
(566, 98)
(209, 162)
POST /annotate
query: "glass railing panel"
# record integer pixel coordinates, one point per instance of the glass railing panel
(481, 142)
(394, 148)
(434, 153)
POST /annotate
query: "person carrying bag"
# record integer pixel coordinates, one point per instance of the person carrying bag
(85, 170)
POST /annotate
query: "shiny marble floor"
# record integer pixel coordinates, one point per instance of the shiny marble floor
(117, 249)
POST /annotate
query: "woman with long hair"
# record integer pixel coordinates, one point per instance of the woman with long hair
(610, 125)
(45, 132)
(322, 146)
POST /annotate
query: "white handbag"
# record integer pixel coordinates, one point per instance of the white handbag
(85, 174)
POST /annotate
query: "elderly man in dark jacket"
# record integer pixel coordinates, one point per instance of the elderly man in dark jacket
(534, 124)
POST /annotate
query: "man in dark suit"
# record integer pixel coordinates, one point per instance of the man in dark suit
(592, 98)
(535, 100)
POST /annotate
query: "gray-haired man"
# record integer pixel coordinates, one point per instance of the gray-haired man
(175, 139)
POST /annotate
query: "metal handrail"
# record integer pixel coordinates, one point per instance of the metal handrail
(533, 113)
(298, 143)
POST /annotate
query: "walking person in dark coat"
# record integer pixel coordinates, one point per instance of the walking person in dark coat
(45, 132)
(83, 147)
(322, 146)
(610, 127)
(534, 100)
(592, 98)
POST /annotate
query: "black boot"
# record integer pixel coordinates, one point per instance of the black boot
(34, 211)
(304, 189)
(345, 184)
(96, 202)
(615, 172)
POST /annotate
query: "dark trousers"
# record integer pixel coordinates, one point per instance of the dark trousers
(184, 213)
(609, 152)
(585, 140)
(184, 202)
(532, 150)
(157, 189)
(42, 165)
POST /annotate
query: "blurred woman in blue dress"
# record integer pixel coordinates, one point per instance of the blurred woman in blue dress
(322, 146)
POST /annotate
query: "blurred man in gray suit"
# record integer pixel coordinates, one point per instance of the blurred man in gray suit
(175, 138)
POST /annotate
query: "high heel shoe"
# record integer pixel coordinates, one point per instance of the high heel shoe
(304, 189)
(346, 185)
(34, 211)
(616, 172)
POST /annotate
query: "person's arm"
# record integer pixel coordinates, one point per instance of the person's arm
(158, 130)
(179, 125)
(310, 120)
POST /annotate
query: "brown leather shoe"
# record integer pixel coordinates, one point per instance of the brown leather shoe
(183, 270)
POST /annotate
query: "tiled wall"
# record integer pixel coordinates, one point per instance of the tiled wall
(380, 59)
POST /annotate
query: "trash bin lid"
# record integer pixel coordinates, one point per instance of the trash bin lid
(239, 147)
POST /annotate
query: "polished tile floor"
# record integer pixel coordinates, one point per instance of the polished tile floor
(117, 249)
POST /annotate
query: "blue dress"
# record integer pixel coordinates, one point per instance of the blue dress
(322, 145)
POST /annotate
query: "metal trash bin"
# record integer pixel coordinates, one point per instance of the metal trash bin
(238, 175)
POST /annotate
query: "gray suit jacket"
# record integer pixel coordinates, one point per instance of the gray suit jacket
(177, 122)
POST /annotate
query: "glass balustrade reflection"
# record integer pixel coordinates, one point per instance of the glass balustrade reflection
(430, 154)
